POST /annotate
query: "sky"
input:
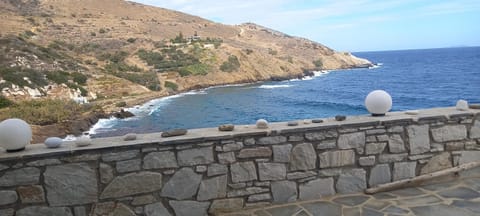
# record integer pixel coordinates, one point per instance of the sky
(350, 25)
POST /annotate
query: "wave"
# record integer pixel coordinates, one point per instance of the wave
(321, 73)
(152, 106)
(274, 86)
(302, 79)
(103, 124)
(377, 65)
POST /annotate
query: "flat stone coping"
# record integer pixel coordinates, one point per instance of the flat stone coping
(213, 134)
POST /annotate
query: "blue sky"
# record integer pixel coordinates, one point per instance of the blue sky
(350, 25)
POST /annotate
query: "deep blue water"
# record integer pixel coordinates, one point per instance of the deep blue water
(414, 78)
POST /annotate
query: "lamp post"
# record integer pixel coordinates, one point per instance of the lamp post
(378, 102)
(15, 134)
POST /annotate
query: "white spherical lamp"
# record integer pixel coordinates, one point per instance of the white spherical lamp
(15, 134)
(378, 102)
(262, 124)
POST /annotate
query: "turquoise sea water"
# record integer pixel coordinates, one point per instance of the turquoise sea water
(415, 79)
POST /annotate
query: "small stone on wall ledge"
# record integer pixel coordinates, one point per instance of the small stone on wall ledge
(292, 123)
(83, 141)
(53, 142)
(174, 132)
(130, 137)
(412, 112)
(340, 118)
(226, 127)
(474, 106)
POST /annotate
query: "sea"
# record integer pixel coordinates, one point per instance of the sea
(416, 79)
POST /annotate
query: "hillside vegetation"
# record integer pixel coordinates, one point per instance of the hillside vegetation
(114, 51)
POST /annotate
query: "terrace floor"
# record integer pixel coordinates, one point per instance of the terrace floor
(454, 198)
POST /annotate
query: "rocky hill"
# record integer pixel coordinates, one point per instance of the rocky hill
(102, 40)
(119, 53)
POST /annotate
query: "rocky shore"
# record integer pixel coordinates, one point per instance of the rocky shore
(85, 122)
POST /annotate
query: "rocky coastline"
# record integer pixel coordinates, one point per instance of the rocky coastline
(131, 102)
(85, 122)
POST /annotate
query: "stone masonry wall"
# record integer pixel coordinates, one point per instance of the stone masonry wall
(202, 174)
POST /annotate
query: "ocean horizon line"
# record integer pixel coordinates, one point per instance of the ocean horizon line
(413, 49)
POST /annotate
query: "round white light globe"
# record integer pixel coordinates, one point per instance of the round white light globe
(15, 134)
(262, 124)
(378, 102)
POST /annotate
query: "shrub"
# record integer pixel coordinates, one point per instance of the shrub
(121, 67)
(179, 38)
(74, 86)
(272, 51)
(121, 104)
(290, 59)
(152, 58)
(195, 69)
(58, 77)
(147, 79)
(62, 77)
(184, 72)
(249, 51)
(232, 64)
(87, 47)
(171, 85)
(216, 41)
(16, 75)
(102, 31)
(27, 34)
(5, 102)
(159, 44)
(131, 40)
(318, 63)
(43, 112)
(116, 57)
(31, 20)
(170, 59)
(93, 34)
(79, 78)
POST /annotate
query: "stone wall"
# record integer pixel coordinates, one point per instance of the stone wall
(211, 171)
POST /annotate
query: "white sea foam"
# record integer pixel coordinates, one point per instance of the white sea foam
(315, 74)
(302, 79)
(102, 123)
(375, 66)
(321, 73)
(274, 86)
